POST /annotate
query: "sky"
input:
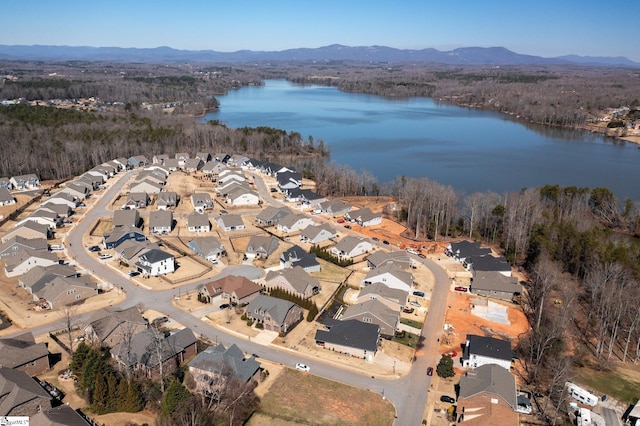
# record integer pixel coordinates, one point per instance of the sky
(545, 28)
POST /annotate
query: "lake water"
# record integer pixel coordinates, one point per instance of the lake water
(469, 149)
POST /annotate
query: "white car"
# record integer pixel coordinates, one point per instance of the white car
(302, 367)
(104, 256)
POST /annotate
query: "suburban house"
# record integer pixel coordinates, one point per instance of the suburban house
(334, 207)
(24, 260)
(390, 275)
(352, 337)
(24, 354)
(351, 247)
(381, 258)
(156, 262)
(463, 249)
(78, 191)
(17, 244)
(235, 289)
(213, 168)
(193, 165)
(62, 210)
(364, 217)
(21, 395)
(38, 276)
(209, 248)
(159, 158)
(487, 263)
(211, 367)
(58, 416)
(304, 197)
(172, 165)
(274, 314)
(233, 186)
(44, 217)
(487, 396)
(204, 156)
(272, 215)
(122, 234)
(182, 157)
(149, 348)
(198, 222)
(230, 222)
(294, 280)
(5, 183)
(126, 218)
(316, 234)
(63, 198)
(65, 291)
(394, 298)
(297, 256)
(166, 200)
(129, 251)
(238, 160)
(228, 175)
(374, 312)
(28, 229)
(150, 186)
(481, 350)
(201, 201)
(294, 222)
(289, 180)
(23, 182)
(107, 327)
(136, 200)
(242, 197)
(261, 247)
(495, 285)
(137, 161)
(6, 198)
(160, 222)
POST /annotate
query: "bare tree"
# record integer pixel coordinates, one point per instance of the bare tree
(69, 314)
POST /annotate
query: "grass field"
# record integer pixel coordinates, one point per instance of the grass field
(299, 398)
(614, 383)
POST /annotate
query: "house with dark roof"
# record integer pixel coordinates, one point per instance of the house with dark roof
(235, 289)
(212, 366)
(294, 280)
(381, 258)
(334, 207)
(487, 396)
(122, 234)
(352, 337)
(156, 262)
(160, 222)
(108, 327)
(272, 215)
(296, 256)
(289, 180)
(209, 248)
(364, 217)
(198, 222)
(201, 201)
(230, 222)
(374, 312)
(304, 197)
(487, 263)
(393, 298)
(23, 353)
(62, 415)
(495, 285)
(62, 210)
(275, 314)
(136, 200)
(351, 247)
(463, 249)
(482, 350)
(20, 395)
(150, 348)
(261, 247)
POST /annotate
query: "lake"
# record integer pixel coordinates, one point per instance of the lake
(469, 149)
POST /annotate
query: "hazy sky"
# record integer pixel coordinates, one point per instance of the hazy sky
(537, 27)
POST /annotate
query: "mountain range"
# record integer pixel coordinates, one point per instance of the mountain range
(335, 52)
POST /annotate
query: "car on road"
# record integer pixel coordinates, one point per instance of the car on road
(412, 251)
(348, 226)
(451, 354)
(447, 398)
(223, 212)
(302, 367)
(418, 293)
(422, 255)
(133, 273)
(376, 239)
(385, 242)
(414, 303)
(224, 306)
(273, 190)
(159, 320)
(105, 256)
(461, 288)
(94, 248)
(430, 371)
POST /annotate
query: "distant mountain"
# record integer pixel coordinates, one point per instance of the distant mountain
(336, 52)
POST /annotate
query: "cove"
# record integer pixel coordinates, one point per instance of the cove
(469, 149)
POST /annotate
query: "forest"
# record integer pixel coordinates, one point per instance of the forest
(578, 246)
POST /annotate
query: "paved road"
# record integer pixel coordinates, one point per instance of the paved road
(409, 394)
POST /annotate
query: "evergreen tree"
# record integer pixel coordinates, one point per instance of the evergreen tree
(123, 397)
(135, 401)
(313, 312)
(174, 395)
(89, 372)
(79, 358)
(445, 367)
(113, 404)
(100, 395)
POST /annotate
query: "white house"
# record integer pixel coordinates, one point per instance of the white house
(201, 202)
(208, 247)
(390, 275)
(198, 222)
(160, 222)
(364, 217)
(351, 247)
(481, 350)
(316, 234)
(230, 222)
(242, 197)
(294, 222)
(156, 262)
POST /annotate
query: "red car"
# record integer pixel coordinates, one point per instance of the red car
(451, 354)
(462, 289)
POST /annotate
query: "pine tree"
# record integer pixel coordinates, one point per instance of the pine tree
(100, 395)
(174, 395)
(123, 397)
(113, 404)
(135, 401)
(445, 367)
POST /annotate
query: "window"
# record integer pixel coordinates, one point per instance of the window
(366, 319)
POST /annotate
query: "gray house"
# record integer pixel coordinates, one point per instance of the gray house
(374, 312)
(160, 222)
(208, 247)
(261, 247)
(294, 280)
(495, 285)
(217, 362)
(275, 314)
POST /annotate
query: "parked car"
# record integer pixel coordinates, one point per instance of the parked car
(422, 255)
(461, 288)
(160, 320)
(385, 242)
(430, 371)
(105, 256)
(451, 354)
(224, 306)
(447, 398)
(94, 248)
(348, 226)
(376, 239)
(302, 367)
(418, 293)
(273, 190)
(408, 310)
(412, 251)
(414, 303)
(133, 273)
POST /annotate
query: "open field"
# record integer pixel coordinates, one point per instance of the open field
(621, 382)
(299, 398)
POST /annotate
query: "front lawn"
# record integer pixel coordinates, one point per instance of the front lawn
(411, 323)
(407, 339)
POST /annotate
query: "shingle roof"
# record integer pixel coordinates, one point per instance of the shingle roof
(488, 347)
(277, 308)
(215, 358)
(21, 349)
(17, 388)
(351, 333)
(489, 378)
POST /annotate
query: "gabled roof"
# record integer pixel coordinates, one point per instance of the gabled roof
(312, 231)
(488, 263)
(394, 270)
(11, 262)
(160, 218)
(277, 308)
(488, 347)
(126, 217)
(382, 291)
(62, 415)
(495, 281)
(19, 350)
(198, 219)
(272, 214)
(466, 248)
(216, 359)
(143, 351)
(241, 286)
(335, 206)
(155, 256)
(351, 333)
(206, 245)
(350, 242)
(259, 243)
(26, 243)
(167, 197)
(291, 219)
(230, 220)
(378, 312)
(492, 379)
(296, 277)
(379, 258)
(105, 321)
(17, 388)
(38, 276)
